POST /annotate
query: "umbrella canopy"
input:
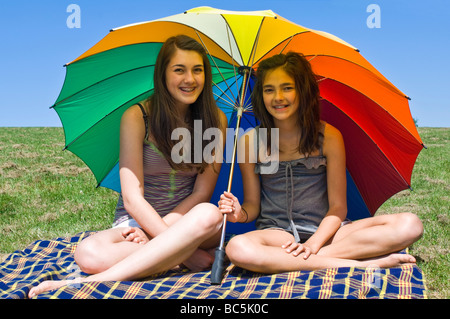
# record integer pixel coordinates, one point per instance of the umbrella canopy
(381, 140)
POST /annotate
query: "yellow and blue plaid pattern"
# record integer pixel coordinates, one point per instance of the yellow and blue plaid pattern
(53, 260)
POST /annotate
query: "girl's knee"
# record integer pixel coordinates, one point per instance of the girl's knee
(239, 250)
(82, 256)
(207, 217)
(411, 226)
(87, 256)
(406, 228)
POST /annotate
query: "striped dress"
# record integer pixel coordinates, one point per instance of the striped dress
(164, 187)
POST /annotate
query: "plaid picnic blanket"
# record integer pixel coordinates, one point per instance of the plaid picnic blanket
(53, 260)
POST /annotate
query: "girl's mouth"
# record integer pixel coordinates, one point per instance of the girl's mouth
(187, 90)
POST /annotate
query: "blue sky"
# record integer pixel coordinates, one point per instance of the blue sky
(411, 47)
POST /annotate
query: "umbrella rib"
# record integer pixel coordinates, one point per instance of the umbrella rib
(248, 106)
(215, 64)
(232, 58)
(252, 64)
(288, 43)
(228, 32)
(226, 101)
(224, 93)
(315, 56)
(273, 47)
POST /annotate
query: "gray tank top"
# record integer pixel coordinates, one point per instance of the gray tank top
(295, 197)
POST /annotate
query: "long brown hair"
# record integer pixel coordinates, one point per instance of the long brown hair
(296, 66)
(164, 116)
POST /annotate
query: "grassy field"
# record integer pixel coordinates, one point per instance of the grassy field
(47, 193)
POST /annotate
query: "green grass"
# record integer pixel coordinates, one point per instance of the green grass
(47, 193)
(430, 201)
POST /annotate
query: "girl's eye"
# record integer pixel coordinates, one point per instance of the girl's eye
(288, 88)
(268, 91)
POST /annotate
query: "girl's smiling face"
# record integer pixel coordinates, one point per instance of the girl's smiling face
(280, 95)
(185, 77)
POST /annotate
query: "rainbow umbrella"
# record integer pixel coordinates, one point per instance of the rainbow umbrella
(382, 142)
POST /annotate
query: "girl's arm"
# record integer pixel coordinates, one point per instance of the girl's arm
(205, 182)
(250, 208)
(334, 151)
(132, 177)
(132, 134)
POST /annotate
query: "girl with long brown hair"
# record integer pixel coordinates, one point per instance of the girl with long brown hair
(163, 217)
(300, 209)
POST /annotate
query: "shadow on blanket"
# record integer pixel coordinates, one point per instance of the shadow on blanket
(53, 260)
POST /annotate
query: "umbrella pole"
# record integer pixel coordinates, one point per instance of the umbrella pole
(219, 256)
(218, 265)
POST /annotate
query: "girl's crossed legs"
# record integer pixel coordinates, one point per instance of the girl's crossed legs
(368, 242)
(200, 227)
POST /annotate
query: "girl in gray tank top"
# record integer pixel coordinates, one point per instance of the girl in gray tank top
(294, 198)
(300, 204)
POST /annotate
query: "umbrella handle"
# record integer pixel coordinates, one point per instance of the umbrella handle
(218, 266)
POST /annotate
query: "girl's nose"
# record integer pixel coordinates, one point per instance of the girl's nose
(188, 77)
(279, 95)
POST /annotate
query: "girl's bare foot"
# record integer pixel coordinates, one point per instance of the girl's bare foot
(391, 260)
(47, 286)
